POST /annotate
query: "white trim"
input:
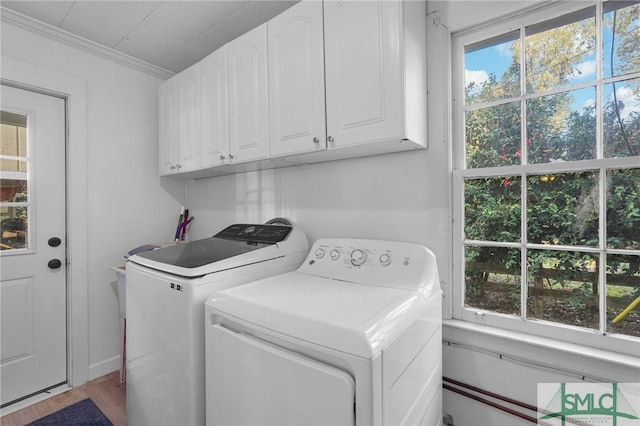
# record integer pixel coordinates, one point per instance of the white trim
(16, 406)
(74, 89)
(104, 367)
(585, 362)
(54, 33)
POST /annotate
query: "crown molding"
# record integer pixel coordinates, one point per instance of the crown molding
(24, 22)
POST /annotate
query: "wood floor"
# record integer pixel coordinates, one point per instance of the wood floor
(106, 392)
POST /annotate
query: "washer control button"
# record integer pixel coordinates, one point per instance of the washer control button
(320, 253)
(335, 254)
(358, 257)
(385, 259)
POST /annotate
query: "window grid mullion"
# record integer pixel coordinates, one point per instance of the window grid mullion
(602, 202)
(599, 85)
(524, 267)
(602, 267)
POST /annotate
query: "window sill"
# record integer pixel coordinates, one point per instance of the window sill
(584, 362)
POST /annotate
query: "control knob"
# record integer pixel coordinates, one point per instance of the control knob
(319, 253)
(385, 259)
(335, 254)
(358, 257)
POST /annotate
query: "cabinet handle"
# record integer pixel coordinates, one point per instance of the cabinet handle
(172, 167)
(222, 157)
(178, 166)
(230, 156)
(316, 140)
(330, 139)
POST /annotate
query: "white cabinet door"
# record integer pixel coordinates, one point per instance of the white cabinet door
(364, 79)
(296, 80)
(213, 86)
(248, 91)
(250, 382)
(168, 127)
(189, 120)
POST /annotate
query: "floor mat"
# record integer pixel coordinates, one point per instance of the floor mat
(83, 413)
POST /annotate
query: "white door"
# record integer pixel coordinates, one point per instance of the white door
(296, 80)
(363, 71)
(248, 91)
(33, 260)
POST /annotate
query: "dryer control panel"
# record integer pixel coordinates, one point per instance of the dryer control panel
(375, 262)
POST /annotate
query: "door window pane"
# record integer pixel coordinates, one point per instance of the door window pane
(14, 192)
(562, 287)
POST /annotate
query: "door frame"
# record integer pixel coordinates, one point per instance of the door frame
(73, 90)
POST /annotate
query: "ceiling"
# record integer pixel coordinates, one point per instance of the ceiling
(171, 35)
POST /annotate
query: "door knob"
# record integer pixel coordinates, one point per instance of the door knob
(54, 242)
(54, 264)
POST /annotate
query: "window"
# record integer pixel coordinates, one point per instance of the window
(14, 205)
(547, 174)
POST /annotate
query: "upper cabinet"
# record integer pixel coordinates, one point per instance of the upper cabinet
(375, 71)
(321, 81)
(349, 80)
(248, 96)
(181, 123)
(214, 104)
(168, 127)
(189, 119)
(296, 80)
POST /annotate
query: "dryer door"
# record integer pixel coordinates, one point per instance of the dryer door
(250, 382)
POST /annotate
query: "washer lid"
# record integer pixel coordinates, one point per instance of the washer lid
(357, 319)
(235, 246)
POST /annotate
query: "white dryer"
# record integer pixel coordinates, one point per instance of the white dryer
(353, 337)
(166, 291)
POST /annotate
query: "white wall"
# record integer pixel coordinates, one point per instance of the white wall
(126, 203)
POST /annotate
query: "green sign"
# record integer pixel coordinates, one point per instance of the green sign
(588, 404)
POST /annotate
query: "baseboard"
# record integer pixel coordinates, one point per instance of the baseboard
(101, 368)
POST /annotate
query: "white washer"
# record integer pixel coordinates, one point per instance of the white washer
(353, 337)
(166, 291)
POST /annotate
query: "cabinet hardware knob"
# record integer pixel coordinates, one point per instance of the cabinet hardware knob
(222, 157)
(172, 167)
(330, 139)
(230, 156)
(178, 166)
(316, 140)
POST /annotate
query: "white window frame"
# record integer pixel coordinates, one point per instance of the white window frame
(565, 333)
